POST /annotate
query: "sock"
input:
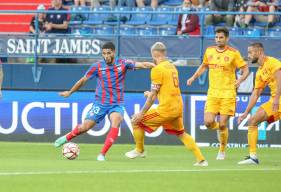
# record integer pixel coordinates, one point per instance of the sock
(223, 139)
(75, 132)
(252, 140)
(214, 126)
(139, 138)
(110, 139)
(190, 144)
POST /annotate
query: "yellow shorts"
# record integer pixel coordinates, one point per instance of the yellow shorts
(223, 106)
(272, 116)
(152, 120)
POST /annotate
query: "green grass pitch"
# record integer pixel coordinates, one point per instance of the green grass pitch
(39, 167)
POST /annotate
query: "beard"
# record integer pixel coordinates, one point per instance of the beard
(254, 60)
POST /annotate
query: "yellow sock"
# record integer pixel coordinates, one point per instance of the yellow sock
(252, 139)
(139, 138)
(214, 126)
(190, 144)
(223, 139)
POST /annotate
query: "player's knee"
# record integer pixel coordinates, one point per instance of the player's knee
(222, 127)
(253, 121)
(208, 123)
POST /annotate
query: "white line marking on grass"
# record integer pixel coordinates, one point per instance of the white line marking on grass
(130, 171)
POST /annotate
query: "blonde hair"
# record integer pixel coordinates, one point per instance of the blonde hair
(158, 46)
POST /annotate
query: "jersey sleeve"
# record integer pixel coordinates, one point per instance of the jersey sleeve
(205, 58)
(239, 61)
(259, 83)
(92, 71)
(156, 76)
(129, 64)
(275, 66)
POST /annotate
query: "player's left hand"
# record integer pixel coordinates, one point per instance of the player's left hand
(275, 105)
(136, 118)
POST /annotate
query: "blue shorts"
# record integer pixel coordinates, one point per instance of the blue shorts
(98, 111)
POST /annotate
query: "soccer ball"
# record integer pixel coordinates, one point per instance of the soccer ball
(70, 151)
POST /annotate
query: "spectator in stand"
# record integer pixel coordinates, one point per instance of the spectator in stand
(241, 6)
(220, 5)
(79, 2)
(198, 4)
(56, 22)
(188, 23)
(127, 3)
(41, 21)
(262, 6)
(98, 3)
(153, 3)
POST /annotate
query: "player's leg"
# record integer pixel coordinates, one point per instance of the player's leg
(211, 111)
(115, 117)
(264, 113)
(223, 136)
(94, 116)
(176, 127)
(79, 129)
(227, 108)
(150, 122)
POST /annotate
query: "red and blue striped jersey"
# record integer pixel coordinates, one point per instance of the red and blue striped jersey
(110, 80)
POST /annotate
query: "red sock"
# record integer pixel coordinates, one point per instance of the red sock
(75, 132)
(110, 138)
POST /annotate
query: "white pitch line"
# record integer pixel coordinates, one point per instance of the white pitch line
(129, 171)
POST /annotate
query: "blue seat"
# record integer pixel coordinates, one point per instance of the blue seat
(147, 31)
(97, 18)
(161, 18)
(275, 32)
(209, 31)
(82, 30)
(235, 31)
(78, 18)
(260, 24)
(127, 30)
(140, 18)
(104, 30)
(173, 2)
(123, 17)
(255, 32)
(167, 30)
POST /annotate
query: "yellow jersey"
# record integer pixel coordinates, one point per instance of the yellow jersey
(222, 67)
(165, 75)
(265, 75)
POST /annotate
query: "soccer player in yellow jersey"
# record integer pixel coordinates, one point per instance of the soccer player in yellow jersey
(222, 62)
(169, 113)
(268, 74)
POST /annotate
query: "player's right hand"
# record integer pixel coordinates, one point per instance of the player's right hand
(189, 81)
(242, 117)
(65, 94)
(146, 93)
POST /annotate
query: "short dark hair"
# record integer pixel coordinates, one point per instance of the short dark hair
(257, 45)
(109, 45)
(222, 30)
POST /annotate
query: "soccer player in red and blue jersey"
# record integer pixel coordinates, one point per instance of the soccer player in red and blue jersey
(109, 99)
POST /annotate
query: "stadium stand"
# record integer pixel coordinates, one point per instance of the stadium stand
(18, 22)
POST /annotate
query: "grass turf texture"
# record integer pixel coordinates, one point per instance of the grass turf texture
(39, 167)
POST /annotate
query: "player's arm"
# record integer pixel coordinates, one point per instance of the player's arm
(252, 102)
(150, 98)
(75, 87)
(144, 65)
(276, 99)
(245, 72)
(201, 69)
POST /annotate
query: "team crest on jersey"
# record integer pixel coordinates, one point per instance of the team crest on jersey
(58, 16)
(226, 59)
